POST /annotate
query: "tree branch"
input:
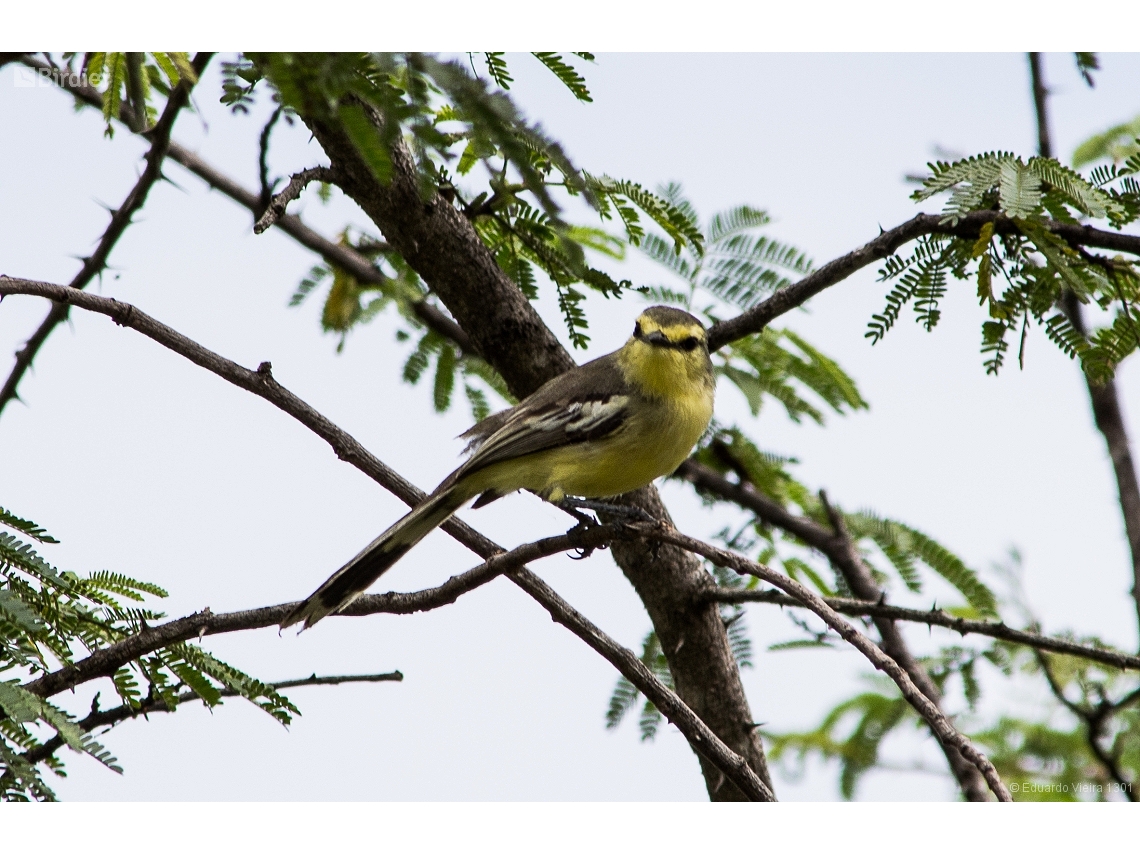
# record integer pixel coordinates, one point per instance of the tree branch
(732, 766)
(107, 660)
(938, 617)
(277, 205)
(925, 707)
(1040, 105)
(104, 663)
(94, 264)
(786, 299)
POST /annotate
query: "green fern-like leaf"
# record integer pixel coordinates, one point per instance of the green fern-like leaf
(253, 690)
(445, 369)
(742, 218)
(875, 716)
(566, 73)
(497, 68)
(1019, 189)
(26, 527)
(1085, 197)
(1117, 144)
(622, 700)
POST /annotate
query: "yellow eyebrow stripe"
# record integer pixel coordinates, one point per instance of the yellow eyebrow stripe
(676, 333)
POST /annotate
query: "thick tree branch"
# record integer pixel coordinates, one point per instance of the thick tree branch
(443, 248)
(925, 707)
(277, 205)
(94, 264)
(786, 299)
(938, 617)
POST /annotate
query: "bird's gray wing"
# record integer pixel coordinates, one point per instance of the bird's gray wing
(531, 429)
(585, 403)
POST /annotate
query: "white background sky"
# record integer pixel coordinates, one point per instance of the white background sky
(144, 464)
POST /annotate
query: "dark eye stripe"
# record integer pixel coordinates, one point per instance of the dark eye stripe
(658, 338)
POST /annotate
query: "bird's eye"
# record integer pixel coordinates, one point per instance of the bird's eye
(689, 343)
(637, 330)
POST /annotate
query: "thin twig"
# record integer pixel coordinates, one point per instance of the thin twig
(934, 717)
(1093, 719)
(1040, 105)
(937, 617)
(260, 383)
(119, 714)
(277, 205)
(94, 264)
(263, 156)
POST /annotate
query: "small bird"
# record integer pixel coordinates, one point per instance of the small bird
(598, 430)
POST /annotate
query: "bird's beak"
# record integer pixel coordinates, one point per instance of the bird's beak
(657, 337)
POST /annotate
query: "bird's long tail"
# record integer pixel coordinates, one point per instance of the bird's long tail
(351, 580)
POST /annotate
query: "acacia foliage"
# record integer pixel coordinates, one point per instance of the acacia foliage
(50, 618)
(1022, 274)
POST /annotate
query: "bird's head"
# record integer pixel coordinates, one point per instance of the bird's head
(668, 348)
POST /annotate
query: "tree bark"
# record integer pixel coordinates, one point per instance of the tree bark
(442, 247)
(1109, 419)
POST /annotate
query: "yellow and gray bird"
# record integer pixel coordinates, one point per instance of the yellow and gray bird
(598, 430)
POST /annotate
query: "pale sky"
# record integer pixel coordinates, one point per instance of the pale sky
(142, 463)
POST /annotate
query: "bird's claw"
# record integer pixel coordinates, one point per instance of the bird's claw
(622, 513)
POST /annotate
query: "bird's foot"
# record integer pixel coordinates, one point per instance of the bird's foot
(571, 506)
(622, 514)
